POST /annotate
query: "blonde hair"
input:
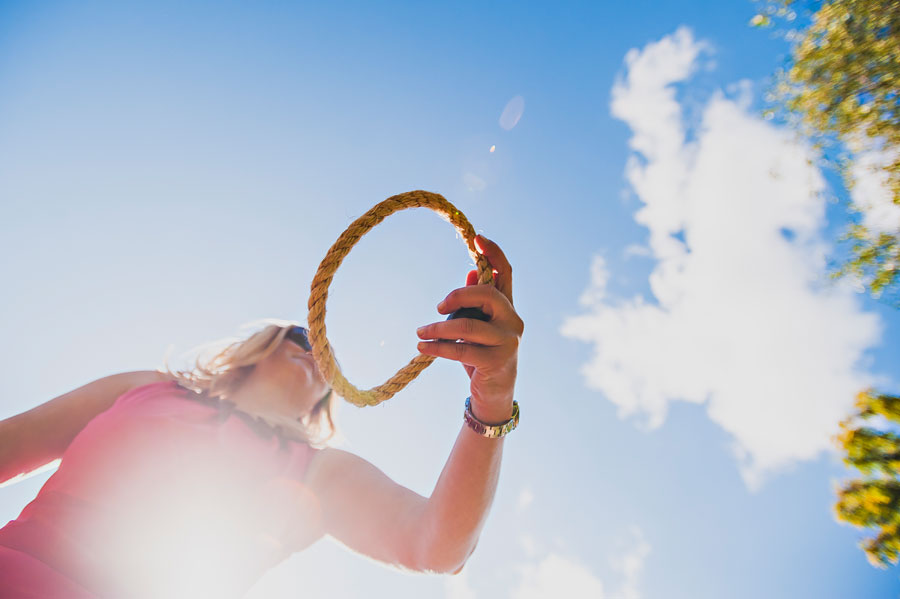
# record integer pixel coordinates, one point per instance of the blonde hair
(223, 365)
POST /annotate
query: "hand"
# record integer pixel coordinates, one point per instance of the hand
(487, 350)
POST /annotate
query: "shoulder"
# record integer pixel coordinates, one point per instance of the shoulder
(334, 475)
(328, 466)
(138, 378)
(322, 463)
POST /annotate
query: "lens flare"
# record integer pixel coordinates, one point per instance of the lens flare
(512, 112)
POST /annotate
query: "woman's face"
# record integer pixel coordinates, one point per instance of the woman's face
(293, 370)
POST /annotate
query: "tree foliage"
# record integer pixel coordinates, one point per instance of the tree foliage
(840, 89)
(873, 501)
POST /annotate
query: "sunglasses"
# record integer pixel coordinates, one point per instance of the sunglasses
(300, 336)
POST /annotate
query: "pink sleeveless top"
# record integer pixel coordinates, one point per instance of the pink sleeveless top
(168, 493)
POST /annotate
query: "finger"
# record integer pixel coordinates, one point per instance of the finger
(487, 298)
(469, 355)
(472, 278)
(468, 329)
(501, 266)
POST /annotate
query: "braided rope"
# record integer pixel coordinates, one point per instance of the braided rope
(321, 348)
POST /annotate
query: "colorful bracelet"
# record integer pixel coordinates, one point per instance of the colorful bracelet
(491, 430)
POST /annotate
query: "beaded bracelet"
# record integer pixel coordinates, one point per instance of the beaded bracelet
(491, 430)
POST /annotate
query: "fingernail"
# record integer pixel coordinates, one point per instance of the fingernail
(420, 330)
(479, 241)
(440, 306)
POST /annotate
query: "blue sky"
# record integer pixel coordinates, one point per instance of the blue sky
(169, 172)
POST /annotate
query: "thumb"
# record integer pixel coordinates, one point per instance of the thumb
(472, 278)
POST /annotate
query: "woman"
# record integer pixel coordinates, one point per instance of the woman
(193, 484)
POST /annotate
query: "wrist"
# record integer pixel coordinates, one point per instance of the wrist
(487, 429)
(492, 412)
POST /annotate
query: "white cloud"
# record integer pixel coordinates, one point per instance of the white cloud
(636, 249)
(557, 575)
(870, 193)
(458, 586)
(631, 564)
(745, 323)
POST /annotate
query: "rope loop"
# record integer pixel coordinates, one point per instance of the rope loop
(321, 348)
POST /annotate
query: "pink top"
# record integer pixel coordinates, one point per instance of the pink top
(168, 493)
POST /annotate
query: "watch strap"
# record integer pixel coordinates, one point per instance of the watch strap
(492, 431)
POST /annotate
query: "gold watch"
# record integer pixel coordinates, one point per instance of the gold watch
(491, 430)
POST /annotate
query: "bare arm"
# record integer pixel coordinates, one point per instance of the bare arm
(367, 511)
(32, 439)
(458, 507)
(370, 513)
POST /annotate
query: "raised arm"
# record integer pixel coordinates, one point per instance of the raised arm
(370, 513)
(32, 439)
(457, 509)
